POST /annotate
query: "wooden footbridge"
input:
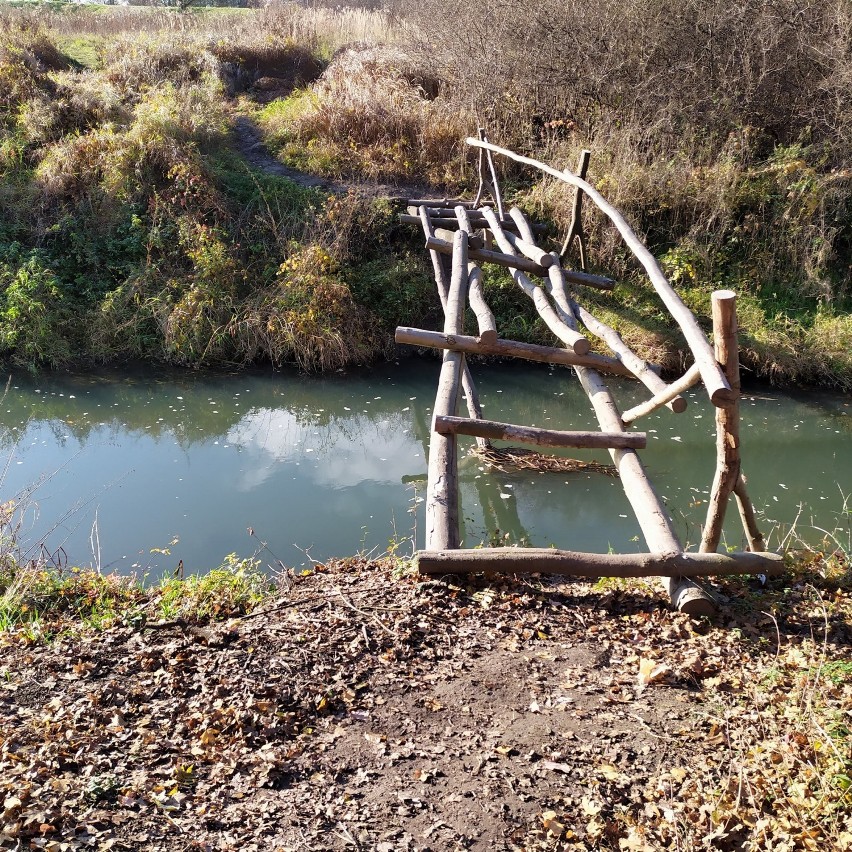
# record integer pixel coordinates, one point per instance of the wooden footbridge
(462, 234)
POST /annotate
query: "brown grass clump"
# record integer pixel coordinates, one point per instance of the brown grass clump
(371, 114)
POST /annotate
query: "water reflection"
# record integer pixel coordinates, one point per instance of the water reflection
(328, 466)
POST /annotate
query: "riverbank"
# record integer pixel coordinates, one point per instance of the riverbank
(133, 225)
(362, 707)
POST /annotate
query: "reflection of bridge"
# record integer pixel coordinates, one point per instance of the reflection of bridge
(461, 234)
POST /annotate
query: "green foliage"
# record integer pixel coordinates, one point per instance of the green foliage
(234, 588)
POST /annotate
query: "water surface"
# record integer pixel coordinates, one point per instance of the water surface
(134, 472)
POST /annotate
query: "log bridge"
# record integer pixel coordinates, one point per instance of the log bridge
(459, 235)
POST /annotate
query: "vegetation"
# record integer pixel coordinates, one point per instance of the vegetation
(131, 228)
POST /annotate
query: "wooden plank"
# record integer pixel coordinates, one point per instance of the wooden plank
(714, 379)
(528, 560)
(508, 349)
(539, 437)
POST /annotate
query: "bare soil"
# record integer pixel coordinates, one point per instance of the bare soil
(364, 710)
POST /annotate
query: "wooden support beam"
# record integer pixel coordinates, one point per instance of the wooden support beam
(529, 560)
(714, 379)
(513, 261)
(473, 241)
(470, 393)
(484, 318)
(691, 377)
(651, 513)
(575, 229)
(530, 250)
(507, 349)
(442, 493)
(501, 258)
(564, 332)
(728, 478)
(638, 366)
(449, 221)
(438, 202)
(539, 437)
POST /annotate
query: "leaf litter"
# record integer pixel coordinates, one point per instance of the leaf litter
(363, 710)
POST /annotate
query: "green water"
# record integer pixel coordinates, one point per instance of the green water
(112, 470)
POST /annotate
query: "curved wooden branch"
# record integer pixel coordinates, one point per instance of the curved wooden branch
(714, 379)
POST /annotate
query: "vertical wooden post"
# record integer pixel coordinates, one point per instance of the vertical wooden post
(727, 418)
(575, 229)
(442, 494)
(442, 267)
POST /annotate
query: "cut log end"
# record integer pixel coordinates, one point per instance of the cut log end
(722, 397)
(488, 338)
(690, 598)
(678, 405)
(582, 346)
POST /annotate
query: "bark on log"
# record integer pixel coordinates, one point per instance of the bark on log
(714, 379)
(539, 437)
(527, 560)
(508, 349)
(691, 377)
(638, 366)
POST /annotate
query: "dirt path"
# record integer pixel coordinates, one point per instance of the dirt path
(363, 711)
(249, 143)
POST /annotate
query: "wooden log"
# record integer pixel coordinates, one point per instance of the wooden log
(638, 366)
(454, 314)
(488, 256)
(495, 186)
(539, 437)
(575, 229)
(527, 560)
(517, 216)
(747, 516)
(654, 519)
(714, 379)
(691, 377)
(449, 221)
(530, 250)
(569, 336)
(438, 202)
(484, 318)
(473, 241)
(508, 349)
(727, 419)
(441, 280)
(442, 493)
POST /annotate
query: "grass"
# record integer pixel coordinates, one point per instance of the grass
(38, 601)
(122, 199)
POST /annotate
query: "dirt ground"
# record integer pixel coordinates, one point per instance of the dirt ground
(365, 710)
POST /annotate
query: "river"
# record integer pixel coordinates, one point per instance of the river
(135, 471)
